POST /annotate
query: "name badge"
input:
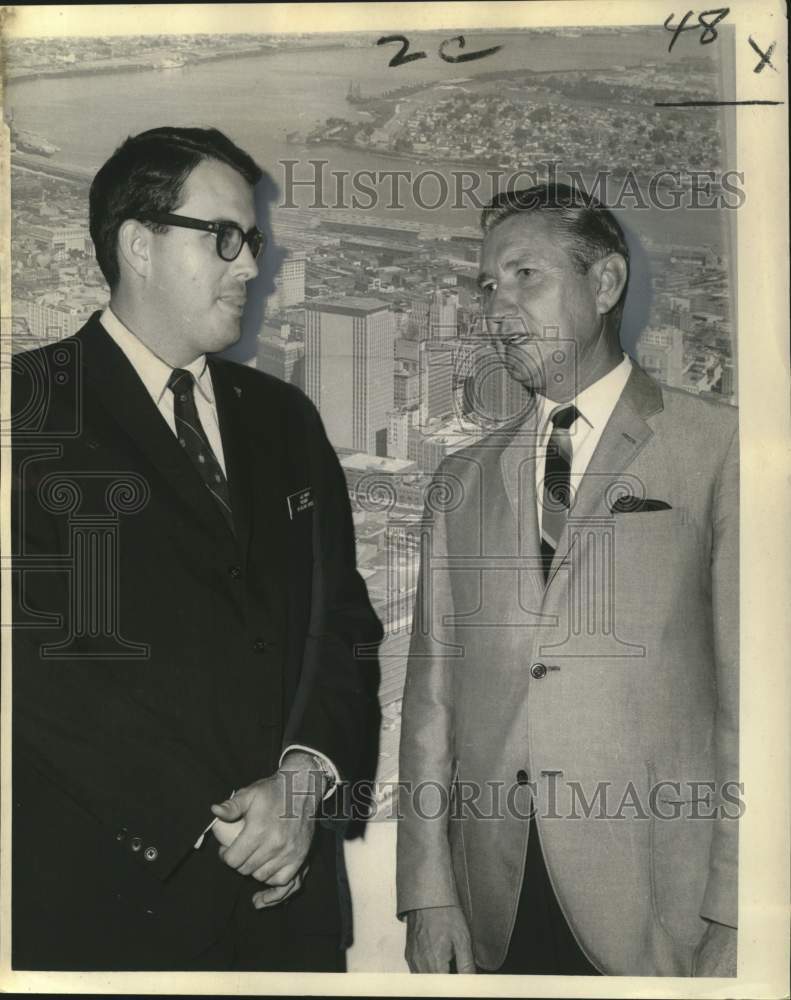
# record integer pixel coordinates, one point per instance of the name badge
(299, 502)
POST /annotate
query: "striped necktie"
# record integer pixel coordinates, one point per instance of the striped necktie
(193, 440)
(557, 482)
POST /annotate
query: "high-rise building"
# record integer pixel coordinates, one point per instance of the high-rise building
(406, 390)
(349, 370)
(419, 319)
(462, 371)
(442, 315)
(436, 370)
(398, 424)
(289, 284)
(487, 394)
(279, 354)
(728, 381)
(661, 353)
(406, 351)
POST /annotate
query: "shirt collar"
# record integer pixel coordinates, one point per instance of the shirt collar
(596, 403)
(152, 370)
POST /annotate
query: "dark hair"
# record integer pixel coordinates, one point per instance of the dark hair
(146, 174)
(591, 231)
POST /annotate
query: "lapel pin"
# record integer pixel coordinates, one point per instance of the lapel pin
(237, 390)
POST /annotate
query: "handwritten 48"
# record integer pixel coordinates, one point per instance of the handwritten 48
(706, 24)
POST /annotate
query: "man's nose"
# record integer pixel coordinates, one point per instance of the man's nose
(498, 309)
(501, 303)
(245, 267)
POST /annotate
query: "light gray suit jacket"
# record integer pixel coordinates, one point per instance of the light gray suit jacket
(613, 690)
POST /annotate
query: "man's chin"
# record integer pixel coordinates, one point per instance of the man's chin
(224, 338)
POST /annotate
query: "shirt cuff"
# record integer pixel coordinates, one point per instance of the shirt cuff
(199, 842)
(323, 762)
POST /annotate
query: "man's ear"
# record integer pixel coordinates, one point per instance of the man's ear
(134, 247)
(610, 274)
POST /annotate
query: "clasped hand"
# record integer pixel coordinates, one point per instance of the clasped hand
(266, 829)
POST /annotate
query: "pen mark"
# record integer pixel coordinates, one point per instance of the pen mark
(400, 58)
(766, 57)
(708, 28)
(467, 56)
(710, 104)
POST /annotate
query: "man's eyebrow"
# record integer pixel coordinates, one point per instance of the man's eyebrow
(519, 257)
(224, 221)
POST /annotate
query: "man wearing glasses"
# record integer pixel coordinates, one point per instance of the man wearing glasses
(188, 609)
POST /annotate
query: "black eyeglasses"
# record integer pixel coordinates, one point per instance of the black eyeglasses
(230, 237)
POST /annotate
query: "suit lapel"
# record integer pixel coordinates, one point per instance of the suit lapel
(625, 435)
(518, 468)
(236, 448)
(255, 437)
(128, 403)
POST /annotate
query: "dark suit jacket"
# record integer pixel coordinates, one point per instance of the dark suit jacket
(159, 661)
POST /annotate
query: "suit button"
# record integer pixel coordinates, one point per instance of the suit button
(135, 843)
(538, 670)
(151, 854)
(235, 572)
(259, 645)
(121, 835)
(522, 777)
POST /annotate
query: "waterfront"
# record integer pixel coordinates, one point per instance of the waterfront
(261, 98)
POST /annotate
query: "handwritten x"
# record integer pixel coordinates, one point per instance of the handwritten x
(766, 57)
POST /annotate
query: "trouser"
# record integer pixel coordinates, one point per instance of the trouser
(542, 943)
(252, 944)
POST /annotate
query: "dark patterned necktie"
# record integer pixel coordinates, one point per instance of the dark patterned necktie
(193, 440)
(557, 483)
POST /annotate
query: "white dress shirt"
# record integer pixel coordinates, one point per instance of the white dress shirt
(595, 405)
(154, 374)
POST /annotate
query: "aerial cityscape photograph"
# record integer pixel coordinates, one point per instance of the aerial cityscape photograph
(367, 297)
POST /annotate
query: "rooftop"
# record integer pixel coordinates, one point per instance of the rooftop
(362, 462)
(352, 305)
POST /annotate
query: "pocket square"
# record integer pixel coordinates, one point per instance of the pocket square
(629, 504)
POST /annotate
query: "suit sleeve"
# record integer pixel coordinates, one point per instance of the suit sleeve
(336, 710)
(720, 901)
(424, 874)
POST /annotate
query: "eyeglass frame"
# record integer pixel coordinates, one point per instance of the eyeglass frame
(187, 222)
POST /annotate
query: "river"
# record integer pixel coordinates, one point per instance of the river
(258, 99)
